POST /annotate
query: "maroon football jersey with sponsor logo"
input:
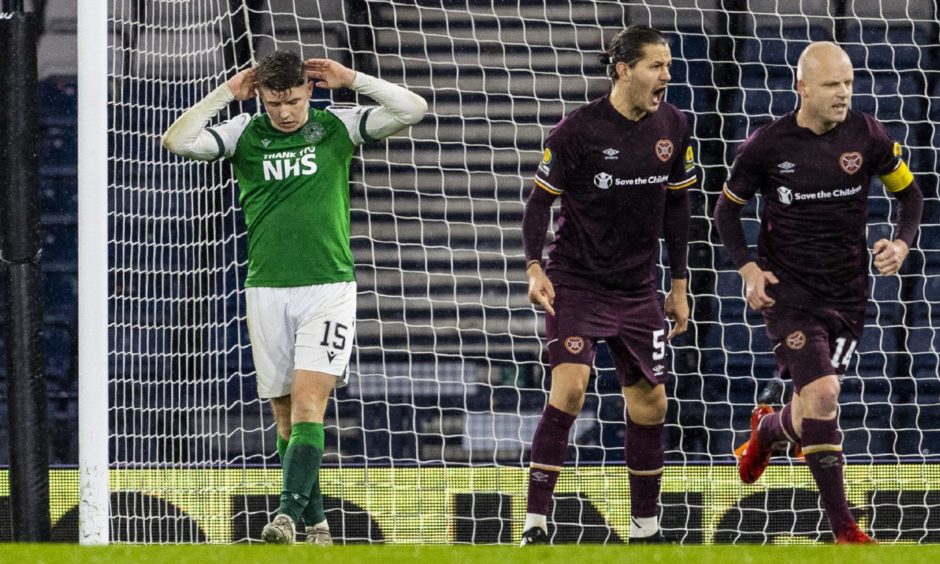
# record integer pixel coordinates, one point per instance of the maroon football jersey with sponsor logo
(815, 191)
(612, 174)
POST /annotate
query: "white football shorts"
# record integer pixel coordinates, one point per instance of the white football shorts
(302, 328)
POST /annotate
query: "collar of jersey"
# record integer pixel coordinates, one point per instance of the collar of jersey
(609, 108)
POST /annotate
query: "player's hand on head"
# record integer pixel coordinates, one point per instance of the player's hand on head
(329, 74)
(889, 256)
(676, 308)
(541, 291)
(244, 84)
(756, 282)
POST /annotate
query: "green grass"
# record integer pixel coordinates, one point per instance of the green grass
(389, 554)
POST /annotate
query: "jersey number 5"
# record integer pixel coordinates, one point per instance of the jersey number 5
(659, 345)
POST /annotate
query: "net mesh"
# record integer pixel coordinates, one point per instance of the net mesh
(448, 368)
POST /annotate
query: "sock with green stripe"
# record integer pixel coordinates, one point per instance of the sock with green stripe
(301, 468)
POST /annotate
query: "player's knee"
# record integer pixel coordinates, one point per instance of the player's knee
(569, 400)
(821, 405)
(648, 408)
(826, 406)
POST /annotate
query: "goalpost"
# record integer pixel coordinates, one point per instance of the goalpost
(428, 442)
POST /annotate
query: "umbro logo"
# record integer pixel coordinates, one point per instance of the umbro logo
(659, 368)
(786, 167)
(265, 142)
(830, 461)
(611, 153)
(539, 476)
(330, 355)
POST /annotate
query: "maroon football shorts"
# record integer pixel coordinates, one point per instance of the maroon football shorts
(812, 344)
(633, 327)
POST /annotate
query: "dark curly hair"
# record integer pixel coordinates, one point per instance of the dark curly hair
(281, 70)
(627, 47)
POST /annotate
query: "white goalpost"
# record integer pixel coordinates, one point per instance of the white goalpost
(428, 443)
(93, 370)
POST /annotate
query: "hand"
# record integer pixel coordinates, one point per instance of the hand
(329, 74)
(244, 83)
(541, 291)
(676, 308)
(755, 283)
(889, 255)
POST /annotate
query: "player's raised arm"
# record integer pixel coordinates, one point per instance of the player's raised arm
(400, 108)
(189, 137)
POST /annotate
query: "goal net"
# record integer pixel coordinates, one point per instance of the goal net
(428, 442)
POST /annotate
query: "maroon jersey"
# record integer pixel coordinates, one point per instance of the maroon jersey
(815, 191)
(612, 174)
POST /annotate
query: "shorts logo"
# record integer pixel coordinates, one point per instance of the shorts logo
(664, 149)
(796, 340)
(851, 162)
(603, 180)
(574, 345)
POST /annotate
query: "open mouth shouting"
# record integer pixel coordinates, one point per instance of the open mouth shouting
(658, 95)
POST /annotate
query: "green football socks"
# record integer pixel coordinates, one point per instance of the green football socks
(301, 459)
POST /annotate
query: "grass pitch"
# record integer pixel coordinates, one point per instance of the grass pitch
(402, 554)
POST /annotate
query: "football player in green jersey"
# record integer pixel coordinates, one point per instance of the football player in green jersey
(292, 167)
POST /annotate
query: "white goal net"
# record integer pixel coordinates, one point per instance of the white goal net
(429, 441)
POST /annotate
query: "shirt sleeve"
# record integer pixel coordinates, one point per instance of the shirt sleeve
(399, 107)
(226, 134)
(536, 217)
(551, 174)
(684, 173)
(354, 118)
(887, 158)
(189, 137)
(744, 180)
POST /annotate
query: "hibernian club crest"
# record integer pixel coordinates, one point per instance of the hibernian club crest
(313, 132)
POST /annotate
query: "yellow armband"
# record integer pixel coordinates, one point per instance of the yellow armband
(899, 179)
